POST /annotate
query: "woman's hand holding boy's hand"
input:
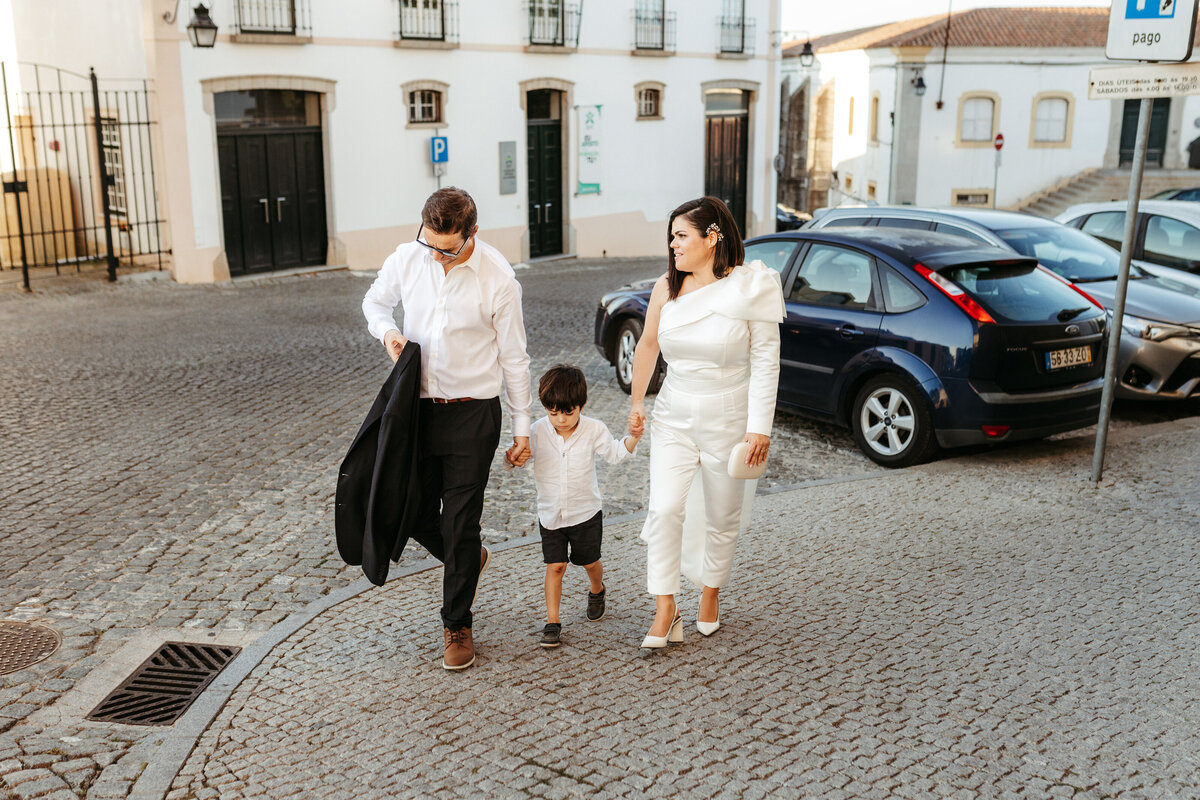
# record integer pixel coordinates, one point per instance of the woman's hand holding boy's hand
(637, 421)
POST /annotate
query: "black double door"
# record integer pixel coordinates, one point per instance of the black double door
(727, 147)
(272, 199)
(1159, 116)
(544, 156)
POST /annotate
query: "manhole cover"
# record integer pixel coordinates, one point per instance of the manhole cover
(165, 685)
(23, 644)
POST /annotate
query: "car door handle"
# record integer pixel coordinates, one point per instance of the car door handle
(849, 331)
(266, 204)
(279, 201)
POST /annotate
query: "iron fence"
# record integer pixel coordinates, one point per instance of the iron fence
(653, 28)
(281, 17)
(78, 170)
(429, 20)
(737, 35)
(554, 23)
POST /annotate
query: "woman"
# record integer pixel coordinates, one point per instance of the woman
(716, 322)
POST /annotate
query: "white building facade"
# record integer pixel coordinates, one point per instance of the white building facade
(304, 136)
(894, 114)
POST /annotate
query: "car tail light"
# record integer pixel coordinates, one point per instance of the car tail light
(956, 294)
(995, 431)
(1058, 277)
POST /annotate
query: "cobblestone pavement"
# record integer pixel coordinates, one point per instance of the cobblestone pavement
(169, 460)
(995, 627)
(170, 455)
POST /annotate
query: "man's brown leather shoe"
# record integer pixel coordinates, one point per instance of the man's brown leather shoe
(460, 649)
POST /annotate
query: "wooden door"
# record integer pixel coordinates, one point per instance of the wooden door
(272, 200)
(725, 165)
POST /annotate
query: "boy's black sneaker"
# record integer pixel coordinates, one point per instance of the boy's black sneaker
(550, 634)
(596, 605)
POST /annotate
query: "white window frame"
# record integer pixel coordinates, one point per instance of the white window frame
(978, 140)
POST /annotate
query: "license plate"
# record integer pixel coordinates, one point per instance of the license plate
(1070, 357)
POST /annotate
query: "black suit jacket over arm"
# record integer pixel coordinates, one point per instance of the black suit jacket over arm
(378, 490)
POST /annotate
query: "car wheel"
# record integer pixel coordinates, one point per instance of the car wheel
(628, 334)
(891, 422)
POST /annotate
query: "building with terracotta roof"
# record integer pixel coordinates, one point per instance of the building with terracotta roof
(909, 111)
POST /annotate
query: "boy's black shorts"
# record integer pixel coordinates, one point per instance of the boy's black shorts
(584, 539)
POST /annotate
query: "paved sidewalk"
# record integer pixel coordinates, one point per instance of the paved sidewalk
(992, 626)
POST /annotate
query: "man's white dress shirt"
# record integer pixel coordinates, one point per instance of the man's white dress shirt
(565, 471)
(468, 323)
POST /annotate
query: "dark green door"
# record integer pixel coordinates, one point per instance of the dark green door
(273, 200)
(1158, 131)
(544, 157)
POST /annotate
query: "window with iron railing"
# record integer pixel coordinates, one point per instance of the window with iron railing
(279, 17)
(553, 23)
(425, 105)
(649, 104)
(736, 32)
(653, 27)
(429, 20)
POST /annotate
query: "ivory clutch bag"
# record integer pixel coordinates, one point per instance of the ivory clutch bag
(738, 468)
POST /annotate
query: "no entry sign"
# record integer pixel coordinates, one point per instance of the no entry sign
(999, 142)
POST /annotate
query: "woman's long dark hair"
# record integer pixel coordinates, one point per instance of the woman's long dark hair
(700, 214)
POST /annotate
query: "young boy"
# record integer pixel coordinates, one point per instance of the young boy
(564, 445)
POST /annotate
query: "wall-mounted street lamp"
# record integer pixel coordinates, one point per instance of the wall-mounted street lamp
(201, 30)
(807, 56)
(918, 84)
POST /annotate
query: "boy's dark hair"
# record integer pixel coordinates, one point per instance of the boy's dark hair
(450, 210)
(563, 388)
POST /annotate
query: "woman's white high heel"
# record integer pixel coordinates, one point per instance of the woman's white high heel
(674, 634)
(709, 628)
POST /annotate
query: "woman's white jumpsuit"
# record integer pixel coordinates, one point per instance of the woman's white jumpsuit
(721, 345)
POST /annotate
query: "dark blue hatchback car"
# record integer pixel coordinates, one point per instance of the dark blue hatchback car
(914, 339)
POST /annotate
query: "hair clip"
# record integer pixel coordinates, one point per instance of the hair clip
(714, 228)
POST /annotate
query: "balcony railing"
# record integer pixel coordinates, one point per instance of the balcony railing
(654, 30)
(553, 23)
(277, 17)
(737, 35)
(429, 20)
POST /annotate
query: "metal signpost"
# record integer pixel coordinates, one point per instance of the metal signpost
(439, 156)
(1151, 31)
(999, 143)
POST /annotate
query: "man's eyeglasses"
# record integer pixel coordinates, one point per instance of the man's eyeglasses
(446, 253)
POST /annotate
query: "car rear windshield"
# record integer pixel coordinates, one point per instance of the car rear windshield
(1019, 292)
(1068, 252)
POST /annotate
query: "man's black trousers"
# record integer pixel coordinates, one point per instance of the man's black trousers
(458, 442)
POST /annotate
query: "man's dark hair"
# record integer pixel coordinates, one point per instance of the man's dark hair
(450, 210)
(563, 388)
(704, 214)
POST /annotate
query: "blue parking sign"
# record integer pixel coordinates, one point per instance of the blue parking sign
(439, 150)
(1149, 9)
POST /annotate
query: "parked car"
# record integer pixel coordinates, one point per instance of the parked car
(914, 339)
(788, 219)
(1167, 233)
(1192, 194)
(1159, 356)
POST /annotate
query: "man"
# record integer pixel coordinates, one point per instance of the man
(462, 305)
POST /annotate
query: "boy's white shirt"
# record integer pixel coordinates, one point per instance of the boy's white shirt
(565, 470)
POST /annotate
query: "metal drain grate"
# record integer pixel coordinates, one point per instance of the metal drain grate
(23, 644)
(164, 686)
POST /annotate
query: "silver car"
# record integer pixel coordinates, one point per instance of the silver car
(1159, 354)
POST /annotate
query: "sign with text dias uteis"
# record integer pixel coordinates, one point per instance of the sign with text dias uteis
(1151, 30)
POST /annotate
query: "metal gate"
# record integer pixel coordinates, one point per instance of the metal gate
(77, 161)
